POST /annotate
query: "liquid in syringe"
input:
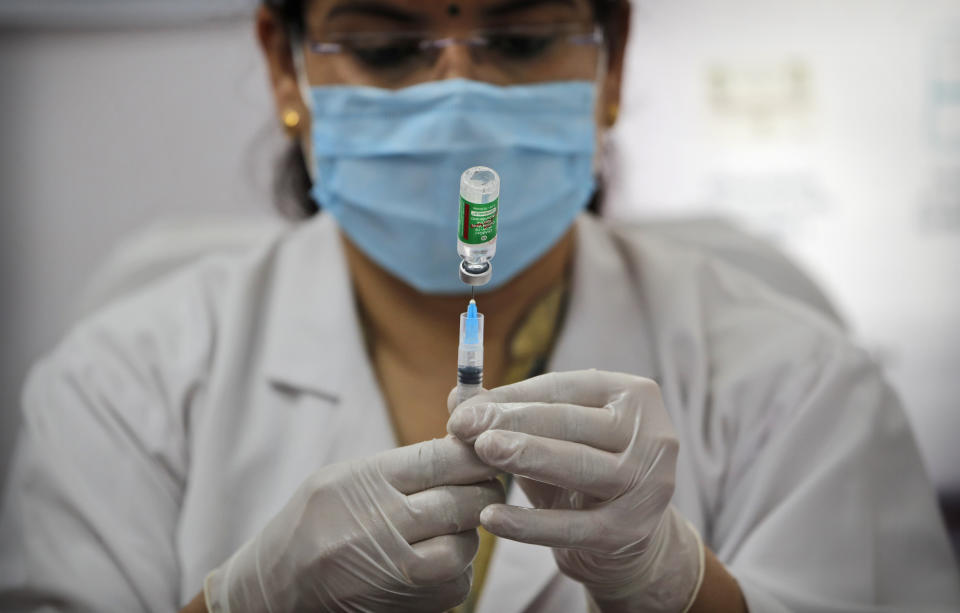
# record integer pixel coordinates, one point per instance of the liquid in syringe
(470, 354)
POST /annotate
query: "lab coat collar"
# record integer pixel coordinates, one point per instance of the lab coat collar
(604, 327)
(314, 342)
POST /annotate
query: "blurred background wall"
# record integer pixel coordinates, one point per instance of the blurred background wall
(830, 126)
(110, 122)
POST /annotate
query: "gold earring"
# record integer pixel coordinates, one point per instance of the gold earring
(613, 112)
(291, 121)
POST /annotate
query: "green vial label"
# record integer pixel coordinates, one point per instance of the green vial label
(478, 222)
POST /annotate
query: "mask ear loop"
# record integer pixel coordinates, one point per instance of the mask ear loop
(604, 147)
(300, 68)
(603, 60)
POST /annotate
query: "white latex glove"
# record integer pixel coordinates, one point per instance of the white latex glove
(394, 532)
(595, 452)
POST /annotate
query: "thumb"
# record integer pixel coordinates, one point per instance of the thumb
(452, 399)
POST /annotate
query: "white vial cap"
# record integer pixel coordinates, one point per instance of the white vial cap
(480, 185)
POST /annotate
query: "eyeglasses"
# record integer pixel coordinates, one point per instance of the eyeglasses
(516, 53)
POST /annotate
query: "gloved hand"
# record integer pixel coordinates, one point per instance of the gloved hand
(394, 532)
(595, 452)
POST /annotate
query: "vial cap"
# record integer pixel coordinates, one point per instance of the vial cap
(480, 185)
(475, 274)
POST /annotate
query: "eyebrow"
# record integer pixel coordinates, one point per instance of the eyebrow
(515, 6)
(372, 8)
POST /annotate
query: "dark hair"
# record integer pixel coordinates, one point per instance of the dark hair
(292, 182)
(291, 13)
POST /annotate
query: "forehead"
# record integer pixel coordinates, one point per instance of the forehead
(429, 11)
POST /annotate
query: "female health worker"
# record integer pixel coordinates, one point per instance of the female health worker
(270, 431)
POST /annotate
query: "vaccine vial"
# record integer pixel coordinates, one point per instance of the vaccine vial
(477, 227)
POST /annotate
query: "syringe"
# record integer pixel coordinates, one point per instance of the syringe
(470, 354)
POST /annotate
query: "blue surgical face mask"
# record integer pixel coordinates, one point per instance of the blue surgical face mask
(387, 165)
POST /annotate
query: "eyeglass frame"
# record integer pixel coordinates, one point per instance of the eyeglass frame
(476, 40)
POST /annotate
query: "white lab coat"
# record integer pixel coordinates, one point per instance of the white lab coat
(167, 429)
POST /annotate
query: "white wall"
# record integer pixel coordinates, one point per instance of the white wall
(103, 132)
(831, 125)
(117, 13)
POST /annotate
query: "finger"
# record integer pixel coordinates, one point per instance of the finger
(602, 428)
(442, 597)
(567, 529)
(442, 461)
(591, 388)
(442, 558)
(447, 509)
(452, 399)
(561, 463)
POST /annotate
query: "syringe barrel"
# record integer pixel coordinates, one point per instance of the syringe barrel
(470, 349)
(467, 391)
(470, 357)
